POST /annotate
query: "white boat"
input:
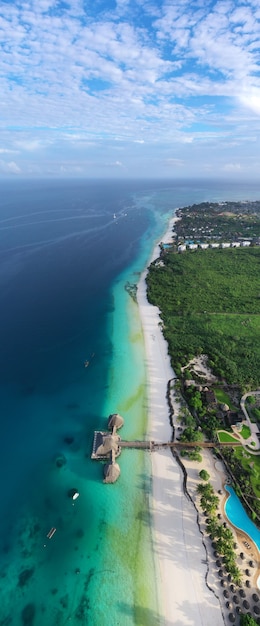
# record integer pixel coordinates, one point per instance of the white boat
(114, 216)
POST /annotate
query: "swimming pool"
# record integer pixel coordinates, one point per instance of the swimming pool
(239, 518)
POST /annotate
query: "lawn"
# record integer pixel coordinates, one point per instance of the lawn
(223, 398)
(224, 436)
(250, 462)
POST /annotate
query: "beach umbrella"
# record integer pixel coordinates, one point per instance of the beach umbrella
(255, 597)
(223, 582)
(238, 610)
(218, 563)
(242, 593)
(251, 563)
(247, 571)
(236, 599)
(226, 593)
(232, 617)
(232, 587)
(242, 555)
(228, 605)
(229, 577)
(246, 604)
(248, 584)
(220, 573)
(219, 515)
(235, 546)
(256, 610)
(216, 553)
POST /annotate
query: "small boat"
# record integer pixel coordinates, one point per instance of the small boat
(87, 362)
(114, 216)
(51, 532)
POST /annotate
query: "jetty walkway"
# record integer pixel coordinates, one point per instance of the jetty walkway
(155, 445)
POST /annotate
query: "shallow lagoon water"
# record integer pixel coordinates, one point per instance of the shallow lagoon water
(64, 264)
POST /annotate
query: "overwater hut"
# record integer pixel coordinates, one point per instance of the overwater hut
(115, 420)
(108, 444)
(111, 472)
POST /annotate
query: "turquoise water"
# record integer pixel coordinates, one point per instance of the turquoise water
(239, 518)
(64, 265)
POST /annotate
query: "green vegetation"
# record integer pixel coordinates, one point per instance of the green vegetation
(247, 620)
(204, 475)
(222, 536)
(245, 468)
(223, 397)
(245, 432)
(224, 436)
(227, 221)
(210, 303)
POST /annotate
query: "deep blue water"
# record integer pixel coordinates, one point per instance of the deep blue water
(61, 254)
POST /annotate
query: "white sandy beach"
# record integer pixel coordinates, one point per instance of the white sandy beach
(180, 554)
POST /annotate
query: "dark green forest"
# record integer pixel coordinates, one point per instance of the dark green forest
(210, 303)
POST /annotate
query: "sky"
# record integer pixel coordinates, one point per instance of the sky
(130, 88)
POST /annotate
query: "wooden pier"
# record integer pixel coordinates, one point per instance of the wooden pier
(100, 436)
(155, 445)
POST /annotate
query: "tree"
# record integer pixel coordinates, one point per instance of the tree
(204, 475)
(247, 620)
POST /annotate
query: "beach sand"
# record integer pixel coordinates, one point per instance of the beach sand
(180, 553)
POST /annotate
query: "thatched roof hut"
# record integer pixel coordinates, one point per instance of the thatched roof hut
(109, 443)
(115, 420)
(111, 472)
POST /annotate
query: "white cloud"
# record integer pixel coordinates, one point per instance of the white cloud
(149, 73)
(10, 168)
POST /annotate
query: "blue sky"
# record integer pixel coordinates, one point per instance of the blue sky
(130, 88)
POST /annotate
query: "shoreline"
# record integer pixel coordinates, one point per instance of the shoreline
(179, 553)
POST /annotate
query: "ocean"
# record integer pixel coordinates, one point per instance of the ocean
(68, 249)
